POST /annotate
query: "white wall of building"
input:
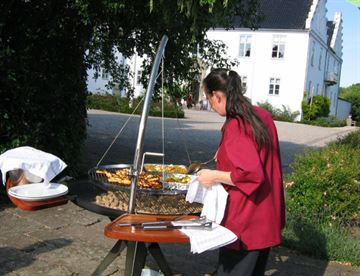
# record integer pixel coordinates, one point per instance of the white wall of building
(324, 62)
(135, 63)
(343, 109)
(100, 85)
(261, 66)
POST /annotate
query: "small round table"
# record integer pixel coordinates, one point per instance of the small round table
(135, 239)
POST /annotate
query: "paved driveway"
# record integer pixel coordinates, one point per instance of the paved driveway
(193, 138)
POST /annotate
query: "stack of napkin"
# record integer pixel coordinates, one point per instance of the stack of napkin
(204, 239)
(34, 161)
(214, 204)
(213, 199)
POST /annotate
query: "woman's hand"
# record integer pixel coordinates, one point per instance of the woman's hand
(206, 177)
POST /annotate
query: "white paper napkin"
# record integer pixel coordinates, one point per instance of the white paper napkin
(209, 239)
(213, 199)
(37, 162)
(214, 203)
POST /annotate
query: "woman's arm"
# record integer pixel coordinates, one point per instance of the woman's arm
(208, 177)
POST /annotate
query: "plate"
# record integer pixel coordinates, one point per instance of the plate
(38, 191)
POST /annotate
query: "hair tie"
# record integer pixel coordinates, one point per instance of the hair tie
(228, 72)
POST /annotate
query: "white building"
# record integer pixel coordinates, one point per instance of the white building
(296, 49)
(100, 85)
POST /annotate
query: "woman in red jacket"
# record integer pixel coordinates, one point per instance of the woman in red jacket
(249, 167)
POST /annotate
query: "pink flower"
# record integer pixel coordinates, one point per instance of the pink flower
(289, 184)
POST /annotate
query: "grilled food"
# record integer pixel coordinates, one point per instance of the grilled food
(179, 178)
(121, 177)
(165, 168)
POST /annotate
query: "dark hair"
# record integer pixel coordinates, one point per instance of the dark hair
(237, 105)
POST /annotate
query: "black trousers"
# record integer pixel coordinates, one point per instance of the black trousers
(242, 262)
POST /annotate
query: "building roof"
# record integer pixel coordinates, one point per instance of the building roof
(282, 14)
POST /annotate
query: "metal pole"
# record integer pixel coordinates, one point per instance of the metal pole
(142, 126)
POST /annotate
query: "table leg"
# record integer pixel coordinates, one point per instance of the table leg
(156, 252)
(135, 258)
(110, 257)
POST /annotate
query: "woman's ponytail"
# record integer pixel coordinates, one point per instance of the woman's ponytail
(237, 105)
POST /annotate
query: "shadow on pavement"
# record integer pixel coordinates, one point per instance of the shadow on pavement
(12, 259)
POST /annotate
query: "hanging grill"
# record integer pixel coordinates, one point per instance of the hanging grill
(158, 201)
(102, 181)
(162, 201)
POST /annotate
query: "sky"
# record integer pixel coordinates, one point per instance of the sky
(350, 73)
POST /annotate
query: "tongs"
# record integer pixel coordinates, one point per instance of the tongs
(198, 223)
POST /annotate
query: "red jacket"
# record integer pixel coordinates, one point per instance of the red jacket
(255, 209)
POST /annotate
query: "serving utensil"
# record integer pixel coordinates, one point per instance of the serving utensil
(177, 223)
(196, 166)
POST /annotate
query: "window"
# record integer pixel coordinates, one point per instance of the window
(138, 77)
(335, 67)
(244, 84)
(245, 45)
(312, 53)
(327, 63)
(320, 58)
(104, 74)
(274, 86)
(278, 46)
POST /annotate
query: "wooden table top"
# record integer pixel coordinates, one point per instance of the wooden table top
(131, 233)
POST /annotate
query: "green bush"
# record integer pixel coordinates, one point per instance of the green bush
(284, 114)
(267, 106)
(325, 183)
(322, 201)
(119, 104)
(321, 240)
(352, 140)
(330, 121)
(318, 106)
(104, 102)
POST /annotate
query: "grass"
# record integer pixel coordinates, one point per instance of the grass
(322, 241)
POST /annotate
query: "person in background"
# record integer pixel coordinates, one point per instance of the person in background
(248, 165)
(189, 100)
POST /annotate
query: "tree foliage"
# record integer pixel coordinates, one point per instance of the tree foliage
(46, 48)
(42, 77)
(352, 94)
(315, 107)
(141, 24)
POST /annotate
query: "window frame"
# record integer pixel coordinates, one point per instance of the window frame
(105, 74)
(278, 42)
(274, 86)
(245, 51)
(244, 87)
(312, 54)
(320, 59)
(138, 76)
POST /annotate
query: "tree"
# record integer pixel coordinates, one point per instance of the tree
(317, 106)
(352, 94)
(46, 48)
